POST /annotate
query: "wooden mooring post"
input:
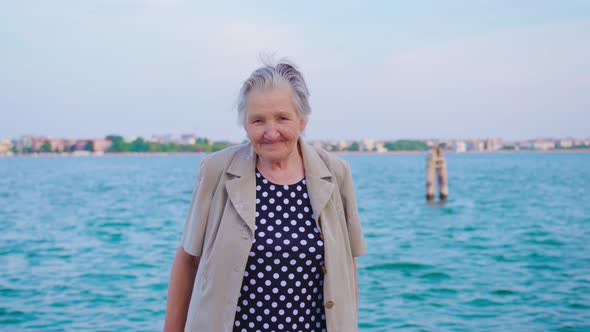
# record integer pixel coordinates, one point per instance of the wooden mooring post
(436, 170)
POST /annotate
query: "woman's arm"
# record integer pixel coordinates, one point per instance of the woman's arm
(180, 288)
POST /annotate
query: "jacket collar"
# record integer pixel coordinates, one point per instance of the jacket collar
(241, 188)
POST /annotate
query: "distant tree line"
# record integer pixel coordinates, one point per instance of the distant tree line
(140, 145)
(46, 148)
(405, 145)
(354, 146)
(399, 145)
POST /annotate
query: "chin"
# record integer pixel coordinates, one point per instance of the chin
(274, 155)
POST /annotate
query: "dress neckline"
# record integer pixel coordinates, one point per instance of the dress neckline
(263, 178)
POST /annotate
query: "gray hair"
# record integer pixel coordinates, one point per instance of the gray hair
(271, 76)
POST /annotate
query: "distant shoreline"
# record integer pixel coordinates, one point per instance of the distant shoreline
(168, 154)
(453, 152)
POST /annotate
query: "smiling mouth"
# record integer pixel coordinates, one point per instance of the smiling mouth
(271, 143)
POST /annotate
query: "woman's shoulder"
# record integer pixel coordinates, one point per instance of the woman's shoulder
(220, 160)
(337, 166)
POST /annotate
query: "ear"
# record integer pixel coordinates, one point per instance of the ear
(302, 125)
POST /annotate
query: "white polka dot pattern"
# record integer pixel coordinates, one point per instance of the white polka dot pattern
(282, 289)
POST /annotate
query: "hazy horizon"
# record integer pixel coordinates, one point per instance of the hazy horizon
(305, 137)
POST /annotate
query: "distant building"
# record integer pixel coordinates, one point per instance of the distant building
(37, 142)
(510, 145)
(188, 139)
(541, 144)
(460, 146)
(165, 139)
(477, 145)
(69, 143)
(565, 143)
(342, 145)
(26, 142)
(57, 144)
(5, 145)
(493, 144)
(101, 145)
(380, 147)
(367, 145)
(80, 145)
(527, 144)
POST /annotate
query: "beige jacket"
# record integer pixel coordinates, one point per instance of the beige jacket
(220, 229)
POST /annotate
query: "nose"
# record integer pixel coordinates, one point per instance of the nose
(271, 133)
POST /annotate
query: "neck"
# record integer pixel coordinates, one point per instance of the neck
(285, 171)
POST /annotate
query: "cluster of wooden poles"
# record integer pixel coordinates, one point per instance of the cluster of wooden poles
(436, 172)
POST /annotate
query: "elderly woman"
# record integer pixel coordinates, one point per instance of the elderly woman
(273, 230)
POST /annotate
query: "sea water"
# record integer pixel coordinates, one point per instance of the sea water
(86, 244)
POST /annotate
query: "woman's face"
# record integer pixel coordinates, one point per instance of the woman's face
(272, 123)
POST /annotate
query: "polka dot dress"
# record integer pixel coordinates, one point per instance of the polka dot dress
(282, 289)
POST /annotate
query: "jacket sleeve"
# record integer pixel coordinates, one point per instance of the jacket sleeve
(355, 233)
(196, 221)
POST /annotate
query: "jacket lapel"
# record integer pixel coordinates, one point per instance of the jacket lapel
(318, 178)
(242, 188)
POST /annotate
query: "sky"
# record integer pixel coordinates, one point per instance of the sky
(375, 69)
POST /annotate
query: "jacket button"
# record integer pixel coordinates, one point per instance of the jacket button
(330, 304)
(325, 269)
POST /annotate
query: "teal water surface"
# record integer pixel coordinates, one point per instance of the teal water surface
(86, 244)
